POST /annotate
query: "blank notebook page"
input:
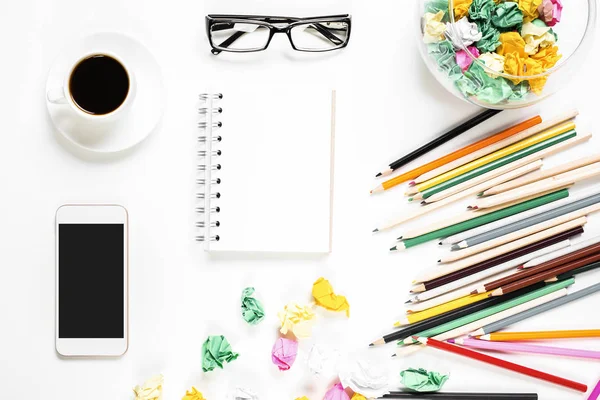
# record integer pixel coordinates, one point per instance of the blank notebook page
(276, 170)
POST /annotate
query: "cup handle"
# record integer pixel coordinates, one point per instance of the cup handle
(56, 96)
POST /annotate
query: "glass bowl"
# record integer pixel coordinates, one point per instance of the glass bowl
(502, 81)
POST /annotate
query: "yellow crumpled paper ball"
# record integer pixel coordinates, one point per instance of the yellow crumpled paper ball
(302, 398)
(433, 27)
(511, 42)
(193, 394)
(461, 8)
(358, 396)
(151, 389)
(536, 37)
(296, 319)
(325, 297)
(530, 9)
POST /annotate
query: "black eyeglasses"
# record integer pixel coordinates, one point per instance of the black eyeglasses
(248, 33)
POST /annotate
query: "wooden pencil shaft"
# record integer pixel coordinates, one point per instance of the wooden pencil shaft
(478, 220)
(416, 172)
(574, 197)
(461, 396)
(549, 184)
(504, 258)
(457, 196)
(528, 348)
(533, 220)
(497, 146)
(495, 164)
(506, 365)
(472, 250)
(577, 271)
(536, 176)
(464, 216)
(550, 133)
(576, 246)
(543, 335)
(451, 134)
(473, 279)
(524, 282)
(503, 249)
(577, 260)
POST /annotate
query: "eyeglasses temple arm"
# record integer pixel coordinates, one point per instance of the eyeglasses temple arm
(229, 41)
(327, 33)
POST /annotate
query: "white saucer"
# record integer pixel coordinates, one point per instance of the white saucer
(136, 123)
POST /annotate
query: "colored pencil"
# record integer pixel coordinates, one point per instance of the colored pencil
(567, 178)
(490, 244)
(438, 141)
(540, 294)
(461, 396)
(446, 269)
(477, 220)
(508, 260)
(496, 326)
(497, 146)
(577, 271)
(471, 326)
(536, 176)
(595, 393)
(478, 177)
(458, 196)
(449, 187)
(540, 137)
(542, 276)
(574, 197)
(573, 248)
(408, 330)
(416, 172)
(541, 335)
(526, 348)
(451, 305)
(551, 268)
(503, 364)
(527, 222)
(473, 280)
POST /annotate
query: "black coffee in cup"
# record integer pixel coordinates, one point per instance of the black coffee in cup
(99, 84)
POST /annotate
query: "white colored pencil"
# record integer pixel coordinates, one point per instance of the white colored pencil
(530, 230)
(561, 252)
(541, 154)
(428, 294)
(567, 178)
(446, 269)
(539, 175)
(473, 190)
(468, 328)
(573, 197)
(497, 146)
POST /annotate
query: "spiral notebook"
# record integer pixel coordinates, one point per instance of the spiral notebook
(265, 170)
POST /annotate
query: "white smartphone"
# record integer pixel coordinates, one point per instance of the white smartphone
(92, 280)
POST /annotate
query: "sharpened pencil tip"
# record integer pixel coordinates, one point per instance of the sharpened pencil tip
(521, 267)
(474, 291)
(423, 203)
(474, 208)
(378, 175)
(408, 302)
(412, 183)
(375, 230)
(439, 261)
(479, 194)
(410, 199)
(395, 248)
(371, 345)
(399, 238)
(440, 243)
(393, 355)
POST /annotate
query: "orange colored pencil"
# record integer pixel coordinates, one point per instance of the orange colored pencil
(415, 173)
(542, 335)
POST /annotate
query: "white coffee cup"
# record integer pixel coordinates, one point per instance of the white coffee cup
(63, 94)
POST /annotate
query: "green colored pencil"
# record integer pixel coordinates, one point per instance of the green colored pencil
(486, 219)
(467, 319)
(498, 163)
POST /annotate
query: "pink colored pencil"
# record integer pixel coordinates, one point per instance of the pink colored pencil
(527, 348)
(595, 393)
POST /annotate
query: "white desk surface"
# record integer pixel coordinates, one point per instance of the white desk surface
(387, 104)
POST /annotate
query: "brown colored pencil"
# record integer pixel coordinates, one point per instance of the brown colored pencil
(497, 260)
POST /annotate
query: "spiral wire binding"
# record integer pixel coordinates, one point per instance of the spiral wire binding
(208, 168)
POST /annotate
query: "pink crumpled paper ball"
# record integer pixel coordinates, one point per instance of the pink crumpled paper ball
(336, 392)
(284, 353)
(550, 11)
(464, 60)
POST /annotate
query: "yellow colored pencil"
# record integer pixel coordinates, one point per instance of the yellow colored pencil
(442, 308)
(540, 137)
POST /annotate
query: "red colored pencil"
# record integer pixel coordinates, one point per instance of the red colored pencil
(502, 363)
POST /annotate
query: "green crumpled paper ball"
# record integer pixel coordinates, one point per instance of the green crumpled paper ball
(216, 351)
(420, 380)
(507, 16)
(481, 10)
(252, 310)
